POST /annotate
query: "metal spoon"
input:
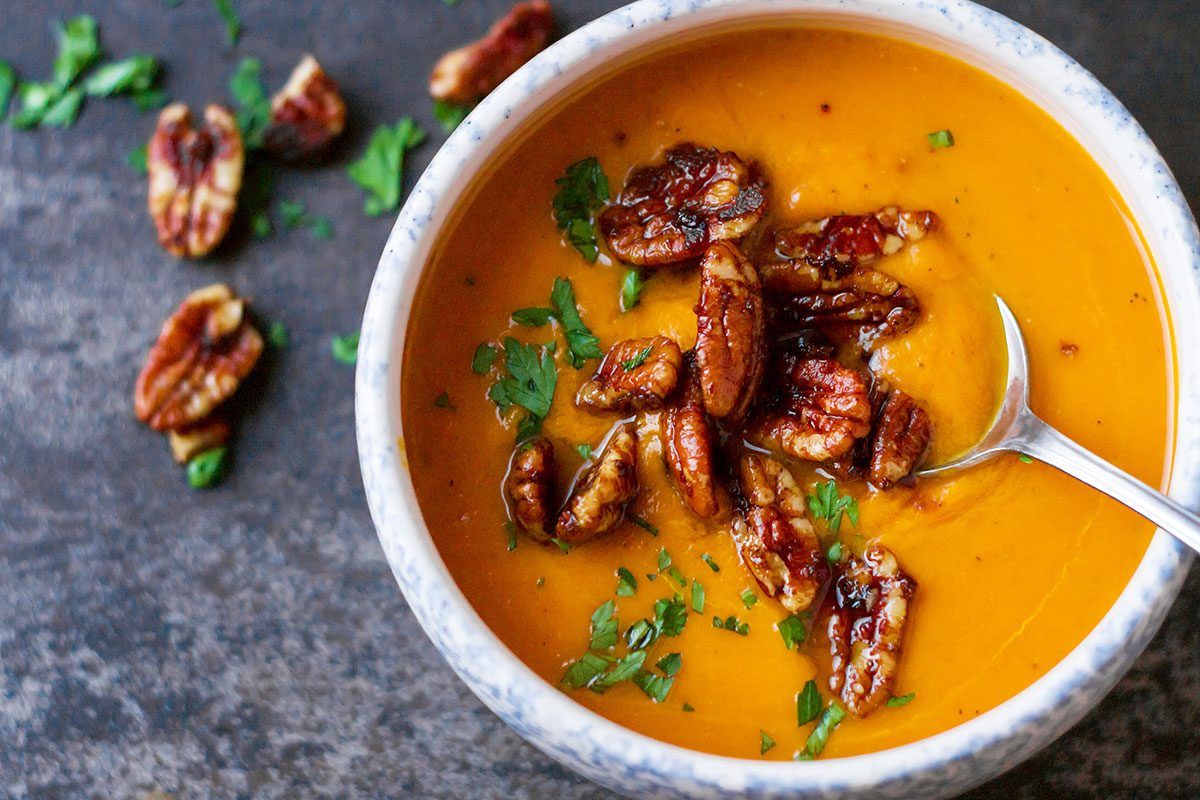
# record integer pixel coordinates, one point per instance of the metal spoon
(1016, 428)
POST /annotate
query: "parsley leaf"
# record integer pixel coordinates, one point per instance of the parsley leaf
(345, 349)
(642, 523)
(254, 112)
(670, 664)
(1024, 458)
(531, 317)
(766, 744)
(749, 598)
(626, 584)
(688, 707)
(902, 700)
(697, 597)
(834, 553)
(830, 719)
(510, 531)
(485, 356)
(380, 170)
(149, 100)
(137, 160)
(631, 290)
(604, 627)
(295, 216)
(450, 115)
(732, 623)
(8, 83)
(277, 335)
(656, 687)
(808, 703)
(562, 545)
(584, 450)
(940, 139)
(233, 25)
(581, 343)
(707, 559)
(582, 190)
(793, 631)
(532, 380)
(206, 468)
(63, 112)
(133, 74)
(827, 504)
(624, 670)
(664, 559)
(638, 359)
(584, 671)
(670, 616)
(443, 401)
(78, 49)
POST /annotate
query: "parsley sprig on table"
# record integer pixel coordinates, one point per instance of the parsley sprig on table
(380, 170)
(582, 190)
(254, 106)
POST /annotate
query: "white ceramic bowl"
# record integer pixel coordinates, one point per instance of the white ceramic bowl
(940, 765)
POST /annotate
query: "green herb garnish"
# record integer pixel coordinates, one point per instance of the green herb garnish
(732, 623)
(638, 359)
(664, 559)
(532, 317)
(380, 170)
(827, 504)
(582, 672)
(604, 627)
(562, 545)
(749, 598)
(808, 703)
(623, 670)
(532, 378)
(793, 631)
(205, 469)
(345, 349)
(443, 401)
(582, 190)
(902, 700)
(8, 83)
(834, 553)
(766, 743)
(277, 335)
(254, 106)
(134, 75)
(656, 687)
(296, 216)
(670, 616)
(830, 719)
(584, 450)
(631, 290)
(940, 139)
(78, 49)
(450, 115)
(697, 597)
(510, 531)
(581, 344)
(707, 559)
(688, 707)
(485, 356)
(137, 160)
(149, 100)
(233, 25)
(643, 524)
(670, 664)
(1024, 458)
(626, 584)
(63, 112)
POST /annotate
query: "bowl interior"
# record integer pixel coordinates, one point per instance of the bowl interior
(634, 763)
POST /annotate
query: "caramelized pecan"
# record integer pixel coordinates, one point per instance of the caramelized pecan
(203, 352)
(673, 211)
(190, 442)
(465, 75)
(529, 487)
(864, 305)
(687, 441)
(866, 628)
(775, 539)
(854, 239)
(306, 114)
(194, 178)
(597, 502)
(730, 345)
(902, 433)
(636, 374)
(828, 408)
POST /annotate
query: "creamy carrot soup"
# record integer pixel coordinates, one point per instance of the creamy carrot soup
(995, 574)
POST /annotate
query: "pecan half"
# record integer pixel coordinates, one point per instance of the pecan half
(730, 337)
(687, 441)
(866, 628)
(203, 352)
(775, 539)
(194, 178)
(636, 374)
(671, 212)
(828, 408)
(597, 502)
(306, 114)
(864, 306)
(465, 75)
(850, 239)
(190, 442)
(529, 487)
(902, 433)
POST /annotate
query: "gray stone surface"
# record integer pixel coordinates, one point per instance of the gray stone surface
(249, 641)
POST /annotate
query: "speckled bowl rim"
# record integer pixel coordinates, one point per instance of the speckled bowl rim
(942, 764)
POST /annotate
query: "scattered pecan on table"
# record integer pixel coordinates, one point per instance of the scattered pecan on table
(775, 538)
(826, 408)
(730, 332)
(597, 502)
(671, 212)
(529, 487)
(466, 75)
(635, 375)
(866, 628)
(203, 352)
(194, 178)
(850, 239)
(307, 114)
(687, 442)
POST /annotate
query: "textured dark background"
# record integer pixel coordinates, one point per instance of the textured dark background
(249, 641)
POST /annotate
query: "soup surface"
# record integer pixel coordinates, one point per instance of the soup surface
(1015, 562)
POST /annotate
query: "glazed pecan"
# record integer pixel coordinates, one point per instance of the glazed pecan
(848, 240)
(864, 306)
(194, 178)
(730, 338)
(190, 442)
(687, 442)
(866, 628)
(775, 539)
(827, 409)
(306, 114)
(203, 352)
(465, 75)
(901, 436)
(529, 487)
(597, 502)
(636, 374)
(673, 211)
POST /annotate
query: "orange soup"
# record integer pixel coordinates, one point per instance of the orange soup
(1014, 562)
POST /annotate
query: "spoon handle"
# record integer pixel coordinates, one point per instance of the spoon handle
(1047, 444)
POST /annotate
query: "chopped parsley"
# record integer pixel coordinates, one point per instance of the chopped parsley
(808, 703)
(8, 83)
(137, 160)
(604, 626)
(254, 106)
(532, 317)
(626, 583)
(510, 531)
(581, 343)
(902, 700)
(277, 335)
(229, 15)
(638, 359)
(827, 504)
(62, 113)
(707, 559)
(697, 597)
(749, 598)
(296, 216)
(380, 170)
(584, 450)
(205, 469)
(450, 115)
(670, 664)
(830, 719)
(582, 190)
(582, 672)
(670, 616)
(664, 559)
(345, 349)
(541, 582)
(731, 623)
(940, 139)
(688, 707)
(793, 631)
(443, 401)
(656, 687)
(834, 553)
(531, 379)
(643, 524)
(1024, 458)
(766, 742)
(623, 670)
(134, 75)
(562, 545)
(631, 290)
(78, 49)
(485, 356)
